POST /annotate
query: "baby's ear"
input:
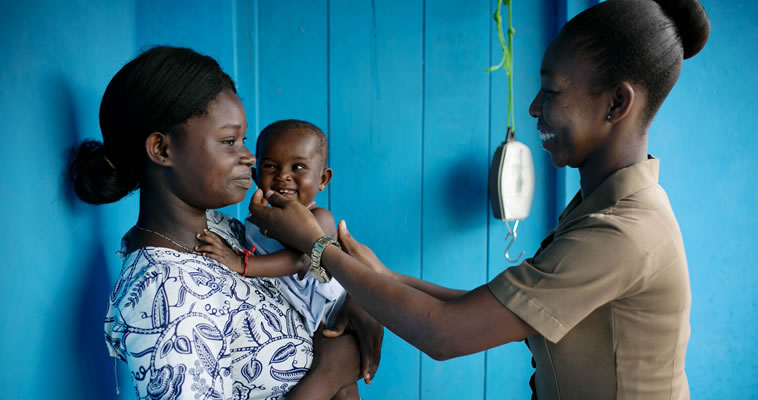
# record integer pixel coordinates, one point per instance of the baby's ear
(326, 176)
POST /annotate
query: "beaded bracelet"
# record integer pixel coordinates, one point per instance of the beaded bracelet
(245, 253)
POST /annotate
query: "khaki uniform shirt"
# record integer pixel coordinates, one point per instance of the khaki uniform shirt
(608, 293)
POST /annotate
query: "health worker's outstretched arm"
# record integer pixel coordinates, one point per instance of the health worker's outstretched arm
(443, 329)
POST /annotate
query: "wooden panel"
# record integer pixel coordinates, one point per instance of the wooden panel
(375, 63)
(197, 24)
(292, 66)
(508, 367)
(244, 21)
(456, 147)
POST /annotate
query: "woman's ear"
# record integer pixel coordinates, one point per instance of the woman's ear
(326, 176)
(622, 99)
(156, 146)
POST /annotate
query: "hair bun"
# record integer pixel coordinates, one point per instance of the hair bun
(95, 181)
(691, 22)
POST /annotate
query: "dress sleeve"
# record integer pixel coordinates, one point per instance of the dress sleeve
(582, 269)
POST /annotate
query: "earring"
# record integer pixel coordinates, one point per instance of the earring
(321, 188)
(608, 117)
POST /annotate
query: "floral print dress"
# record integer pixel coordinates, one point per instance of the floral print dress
(188, 327)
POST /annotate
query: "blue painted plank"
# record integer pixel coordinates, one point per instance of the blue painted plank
(200, 25)
(456, 161)
(58, 259)
(292, 66)
(375, 122)
(245, 55)
(508, 367)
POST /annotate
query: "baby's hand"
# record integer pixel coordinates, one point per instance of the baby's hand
(217, 249)
(257, 200)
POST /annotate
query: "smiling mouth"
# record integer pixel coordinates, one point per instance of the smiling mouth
(286, 192)
(547, 136)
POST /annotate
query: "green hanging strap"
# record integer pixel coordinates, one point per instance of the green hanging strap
(507, 61)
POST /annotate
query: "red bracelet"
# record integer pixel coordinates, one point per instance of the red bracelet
(245, 253)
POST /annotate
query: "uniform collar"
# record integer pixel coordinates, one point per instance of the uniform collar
(617, 186)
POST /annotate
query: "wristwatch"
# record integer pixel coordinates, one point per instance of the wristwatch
(317, 271)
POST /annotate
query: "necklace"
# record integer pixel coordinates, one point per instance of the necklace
(187, 249)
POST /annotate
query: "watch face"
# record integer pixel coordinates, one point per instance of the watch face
(320, 275)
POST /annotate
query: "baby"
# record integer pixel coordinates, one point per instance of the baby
(291, 160)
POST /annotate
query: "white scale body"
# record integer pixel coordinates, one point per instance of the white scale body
(511, 181)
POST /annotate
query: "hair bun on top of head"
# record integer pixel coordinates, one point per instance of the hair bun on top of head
(691, 22)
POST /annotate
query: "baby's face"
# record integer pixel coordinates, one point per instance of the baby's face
(291, 165)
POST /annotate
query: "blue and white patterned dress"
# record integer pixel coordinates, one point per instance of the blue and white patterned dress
(189, 327)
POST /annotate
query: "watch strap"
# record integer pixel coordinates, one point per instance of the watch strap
(317, 271)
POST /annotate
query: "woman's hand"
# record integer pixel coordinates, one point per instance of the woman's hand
(335, 366)
(349, 392)
(368, 332)
(287, 221)
(336, 358)
(360, 251)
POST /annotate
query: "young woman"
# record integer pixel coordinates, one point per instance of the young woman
(186, 325)
(604, 303)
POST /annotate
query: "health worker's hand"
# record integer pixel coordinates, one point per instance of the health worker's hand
(287, 221)
(360, 251)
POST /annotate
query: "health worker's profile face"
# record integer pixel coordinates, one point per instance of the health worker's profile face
(568, 109)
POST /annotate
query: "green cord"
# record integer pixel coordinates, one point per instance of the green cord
(507, 61)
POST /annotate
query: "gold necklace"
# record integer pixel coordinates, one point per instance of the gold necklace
(187, 249)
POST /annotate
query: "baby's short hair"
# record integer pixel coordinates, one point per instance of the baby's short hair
(275, 129)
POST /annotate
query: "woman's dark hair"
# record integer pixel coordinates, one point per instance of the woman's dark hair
(639, 41)
(156, 92)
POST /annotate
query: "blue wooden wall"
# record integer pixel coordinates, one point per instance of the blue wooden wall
(412, 120)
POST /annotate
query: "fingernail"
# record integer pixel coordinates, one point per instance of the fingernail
(268, 193)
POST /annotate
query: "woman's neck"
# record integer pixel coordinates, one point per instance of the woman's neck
(621, 154)
(167, 217)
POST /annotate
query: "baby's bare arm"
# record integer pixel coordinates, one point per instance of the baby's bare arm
(281, 263)
(326, 221)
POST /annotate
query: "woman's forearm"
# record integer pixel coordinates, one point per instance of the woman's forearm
(438, 321)
(417, 317)
(436, 291)
(310, 388)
